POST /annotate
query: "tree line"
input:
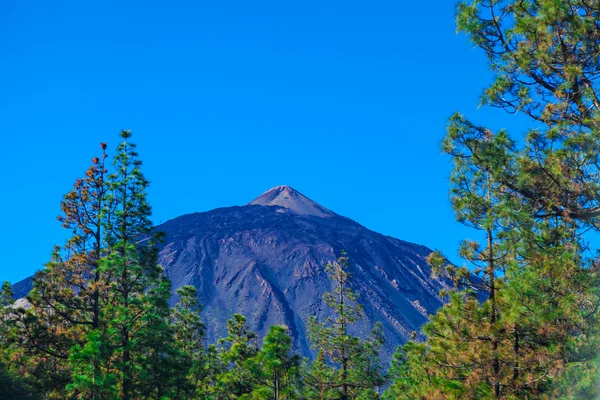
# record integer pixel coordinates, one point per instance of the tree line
(521, 318)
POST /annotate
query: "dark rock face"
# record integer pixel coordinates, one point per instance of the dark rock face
(267, 261)
(21, 288)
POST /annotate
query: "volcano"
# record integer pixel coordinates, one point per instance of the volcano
(266, 260)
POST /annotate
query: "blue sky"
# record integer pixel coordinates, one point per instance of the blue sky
(345, 101)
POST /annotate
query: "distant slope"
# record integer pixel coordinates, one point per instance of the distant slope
(21, 288)
(266, 260)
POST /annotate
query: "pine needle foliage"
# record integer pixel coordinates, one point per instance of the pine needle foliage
(346, 366)
(527, 327)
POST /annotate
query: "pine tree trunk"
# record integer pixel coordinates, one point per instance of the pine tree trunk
(516, 348)
(492, 275)
(344, 385)
(96, 302)
(126, 395)
(126, 358)
(343, 334)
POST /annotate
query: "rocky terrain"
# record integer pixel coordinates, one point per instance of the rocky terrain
(267, 261)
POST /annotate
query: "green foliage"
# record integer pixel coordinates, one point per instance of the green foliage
(190, 370)
(91, 375)
(240, 346)
(14, 388)
(6, 311)
(214, 368)
(98, 325)
(536, 335)
(135, 317)
(359, 370)
(275, 370)
(407, 371)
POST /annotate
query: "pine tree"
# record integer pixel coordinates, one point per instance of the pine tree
(240, 346)
(320, 377)
(412, 375)
(536, 334)
(190, 359)
(98, 326)
(275, 370)
(359, 372)
(476, 329)
(65, 300)
(7, 319)
(84, 213)
(51, 327)
(12, 386)
(543, 59)
(515, 344)
(137, 310)
(212, 387)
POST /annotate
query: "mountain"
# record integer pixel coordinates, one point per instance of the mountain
(292, 200)
(21, 288)
(266, 260)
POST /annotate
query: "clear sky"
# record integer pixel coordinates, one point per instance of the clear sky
(346, 101)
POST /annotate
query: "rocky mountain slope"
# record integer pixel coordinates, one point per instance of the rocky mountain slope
(266, 260)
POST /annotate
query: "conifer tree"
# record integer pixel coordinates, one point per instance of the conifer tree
(98, 325)
(320, 377)
(358, 370)
(65, 300)
(214, 368)
(477, 329)
(137, 310)
(275, 370)
(11, 387)
(190, 359)
(240, 345)
(541, 314)
(14, 385)
(7, 320)
(535, 280)
(14, 388)
(544, 65)
(412, 375)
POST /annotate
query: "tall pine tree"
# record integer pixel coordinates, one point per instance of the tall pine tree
(137, 309)
(543, 336)
(347, 366)
(189, 360)
(240, 345)
(66, 296)
(275, 370)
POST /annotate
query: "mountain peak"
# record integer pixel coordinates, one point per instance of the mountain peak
(288, 197)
